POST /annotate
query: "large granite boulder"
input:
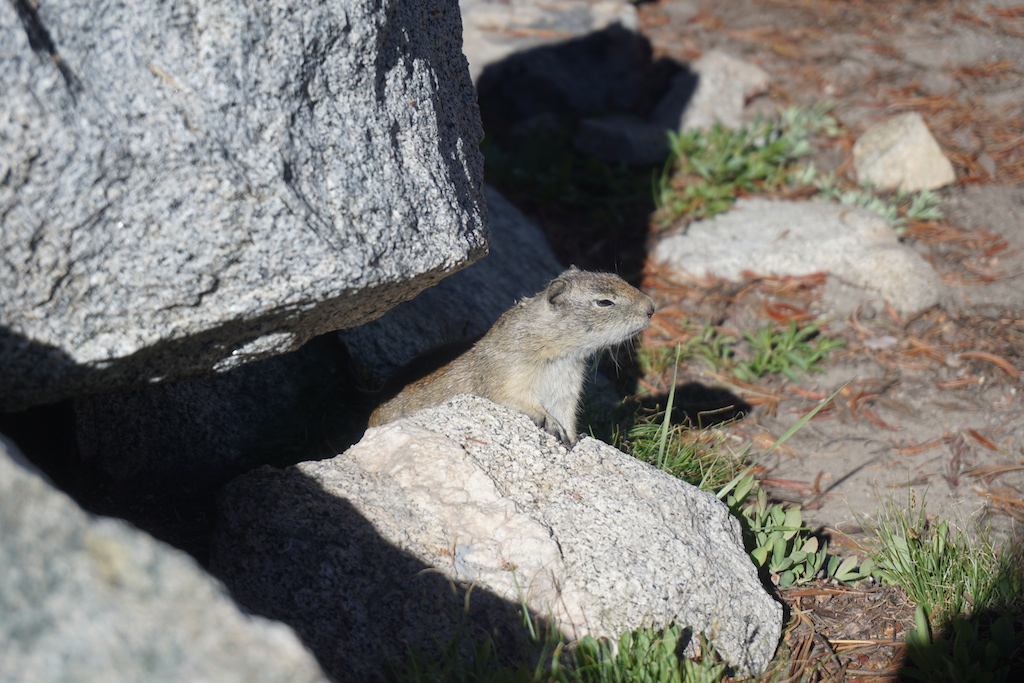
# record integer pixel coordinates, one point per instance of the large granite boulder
(186, 187)
(359, 553)
(87, 598)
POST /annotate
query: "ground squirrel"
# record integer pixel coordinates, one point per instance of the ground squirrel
(534, 357)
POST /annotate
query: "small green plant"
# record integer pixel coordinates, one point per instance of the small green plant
(694, 455)
(780, 542)
(941, 568)
(924, 206)
(641, 655)
(646, 656)
(780, 350)
(713, 347)
(967, 589)
(970, 653)
(806, 123)
(897, 207)
(768, 350)
(707, 170)
(776, 536)
(847, 570)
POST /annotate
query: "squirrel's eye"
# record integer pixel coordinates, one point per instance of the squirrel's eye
(605, 302)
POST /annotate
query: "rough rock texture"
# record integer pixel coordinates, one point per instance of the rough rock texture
(799, 238)
(89, 599)
(185, 188)
(593, 539)
(234, 420)
(520, 263)
(901, 153)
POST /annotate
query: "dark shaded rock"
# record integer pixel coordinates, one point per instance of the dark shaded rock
(89, 598)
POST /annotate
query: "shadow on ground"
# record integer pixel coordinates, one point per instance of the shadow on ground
(534, 104)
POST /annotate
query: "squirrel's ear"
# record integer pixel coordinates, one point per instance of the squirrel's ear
(555, 289)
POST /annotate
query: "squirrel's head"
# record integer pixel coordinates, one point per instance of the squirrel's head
(597, 309)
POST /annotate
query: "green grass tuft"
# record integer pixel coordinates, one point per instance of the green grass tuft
(708, 170)
(945, 570)
(771, 349)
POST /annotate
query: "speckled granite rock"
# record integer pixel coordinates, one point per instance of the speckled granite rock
(211, 428)
(89, 598)
(901, 153)
(473, 492)
(185, 188)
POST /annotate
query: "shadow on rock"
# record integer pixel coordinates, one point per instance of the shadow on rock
(156, 456)
(288, 550)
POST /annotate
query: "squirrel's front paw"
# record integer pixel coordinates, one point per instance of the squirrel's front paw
(553, 427)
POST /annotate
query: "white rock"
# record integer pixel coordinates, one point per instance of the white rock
(901, 153)
(724, 84)
(799, 238)
(592, 539)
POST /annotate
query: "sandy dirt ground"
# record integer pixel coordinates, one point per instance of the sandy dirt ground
(930, 405)
(930, 408)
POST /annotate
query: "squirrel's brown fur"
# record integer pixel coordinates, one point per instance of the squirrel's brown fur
(534, 357)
